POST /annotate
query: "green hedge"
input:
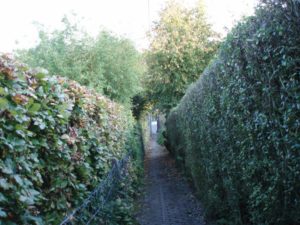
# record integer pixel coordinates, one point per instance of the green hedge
(57, 139)
(236, 130)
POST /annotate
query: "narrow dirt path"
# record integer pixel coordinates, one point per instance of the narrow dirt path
(168, 198)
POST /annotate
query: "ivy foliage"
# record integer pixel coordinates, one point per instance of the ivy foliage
(236, 131)
(182, 44)
(108, 63)
(57, 140)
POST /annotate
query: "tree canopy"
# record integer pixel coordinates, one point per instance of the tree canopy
(108, 63)
(182, 44)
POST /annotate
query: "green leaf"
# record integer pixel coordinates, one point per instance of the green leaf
(7, 170)
(35, 107)
(2, 198)
(3, 103)
(4, 184)
(18, 142)
(64, 184)
(42, 126)
(29, 197)
(18, 179)
(65, 137)
(2, 91)
(25, 199)
(40, 76)
(2, 213)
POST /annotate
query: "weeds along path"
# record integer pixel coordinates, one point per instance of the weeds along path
(168, 199)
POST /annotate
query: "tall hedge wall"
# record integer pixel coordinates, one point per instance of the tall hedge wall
(237, 130)
(57, 140)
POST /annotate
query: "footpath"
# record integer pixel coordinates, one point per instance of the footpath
(168, 198)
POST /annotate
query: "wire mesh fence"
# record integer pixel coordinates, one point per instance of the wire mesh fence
(90, 211)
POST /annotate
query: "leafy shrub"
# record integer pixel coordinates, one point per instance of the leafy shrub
(237, 129)
(57, 140)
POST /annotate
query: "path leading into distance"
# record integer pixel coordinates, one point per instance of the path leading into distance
(168, 198)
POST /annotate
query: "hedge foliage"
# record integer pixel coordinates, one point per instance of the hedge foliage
(57, 139)
(236, 130)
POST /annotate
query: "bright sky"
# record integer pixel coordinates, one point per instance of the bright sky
(129, 18)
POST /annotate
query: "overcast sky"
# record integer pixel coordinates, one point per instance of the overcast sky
(129, 18)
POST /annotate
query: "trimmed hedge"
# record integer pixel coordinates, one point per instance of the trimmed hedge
(57, 139)
(236, 130)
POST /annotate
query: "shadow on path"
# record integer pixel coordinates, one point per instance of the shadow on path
(168, 199)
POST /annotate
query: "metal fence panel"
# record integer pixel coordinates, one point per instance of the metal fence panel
(91, 208)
